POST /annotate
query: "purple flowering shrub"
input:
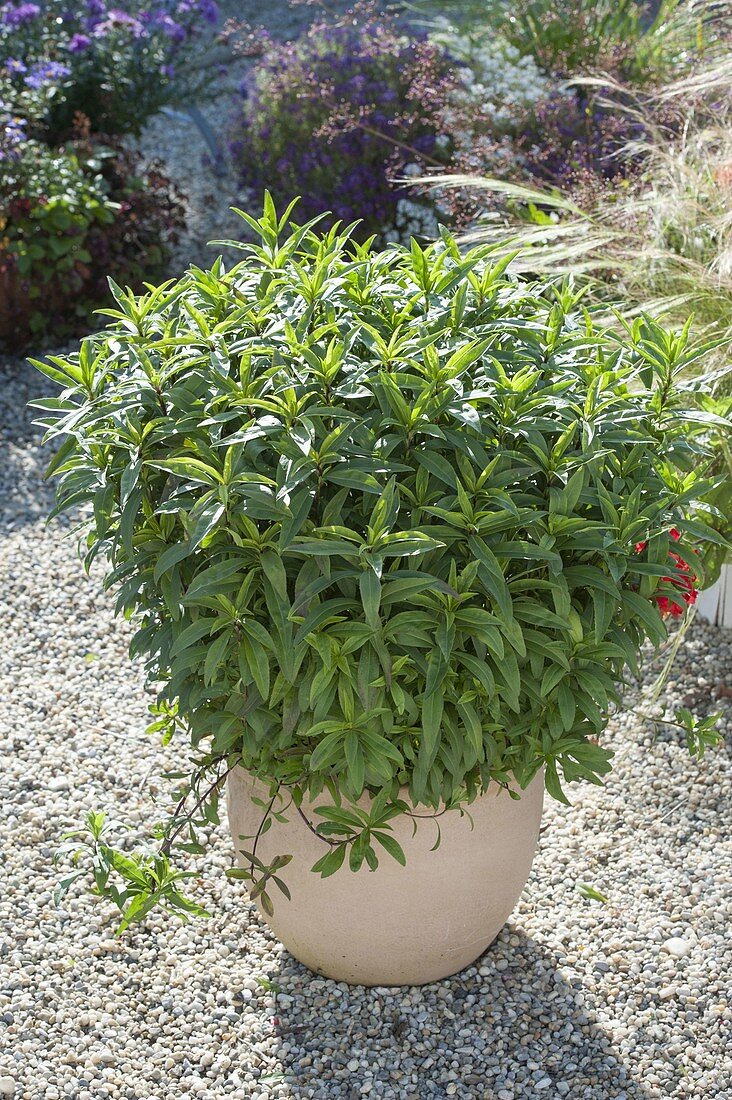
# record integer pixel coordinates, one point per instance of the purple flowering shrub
(581, 138)
(575, 143)
(74, 207)
(116, 62)
(568, 141)
(340, 113)
(69, 217)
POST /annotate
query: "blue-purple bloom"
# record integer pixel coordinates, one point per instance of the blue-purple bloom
(115, 17)
(208, 9)
(337, 116)
(14, 130)
(79, 42)
(570, 138)
(21, 13)
(16, 67)
(44, 73)
(169, 27)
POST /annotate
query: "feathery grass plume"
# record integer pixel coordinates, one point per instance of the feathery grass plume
(664, 243)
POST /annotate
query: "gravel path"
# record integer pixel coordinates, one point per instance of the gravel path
(629, 999)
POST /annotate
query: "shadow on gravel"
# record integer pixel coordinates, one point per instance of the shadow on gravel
(520, 1030)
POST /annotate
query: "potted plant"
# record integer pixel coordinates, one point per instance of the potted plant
(392, 527)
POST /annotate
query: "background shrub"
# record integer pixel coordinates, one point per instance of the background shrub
(116, 63)
(568, 139)
(517, 118)
(75, 207)
(338, 114)
(638, 41)
(69, 218)
(665, 242)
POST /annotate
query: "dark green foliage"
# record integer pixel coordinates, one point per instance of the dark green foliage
(377, 515)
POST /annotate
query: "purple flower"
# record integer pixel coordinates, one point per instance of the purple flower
(23, 13)
(118, 15)
(115, 17)
(96, 7)
(46, 72)
(169, 27)
(78, 43)
(336, 115)
(16, 67)
(209, 10)
(14, 130)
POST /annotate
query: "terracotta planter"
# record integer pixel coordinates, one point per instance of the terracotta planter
(397, 925)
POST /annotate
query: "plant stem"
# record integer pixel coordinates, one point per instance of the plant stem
(314, 831)
(262, 823)
(400, 144)
(660, 721)
(166, 846)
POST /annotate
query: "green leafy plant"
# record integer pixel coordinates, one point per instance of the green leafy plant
(719, 408)
(389, 523)
(663, 243)
(70, 217)
(590, 893)
(637, 41)
(641, 42)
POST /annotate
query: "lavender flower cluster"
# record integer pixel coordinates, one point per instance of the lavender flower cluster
(337, 115)
(114, 64)
(570, 141)
(97, 19)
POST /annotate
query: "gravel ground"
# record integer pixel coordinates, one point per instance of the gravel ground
(628, 999)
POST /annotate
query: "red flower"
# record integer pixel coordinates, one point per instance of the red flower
(683, 580)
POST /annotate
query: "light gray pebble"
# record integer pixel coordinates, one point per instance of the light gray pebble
(677, 947)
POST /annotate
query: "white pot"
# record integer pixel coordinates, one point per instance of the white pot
(397, 925)
(714, 604)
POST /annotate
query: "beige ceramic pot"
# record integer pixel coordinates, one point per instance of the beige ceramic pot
(397, 925)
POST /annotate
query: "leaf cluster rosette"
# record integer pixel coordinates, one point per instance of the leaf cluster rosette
(376, 515)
